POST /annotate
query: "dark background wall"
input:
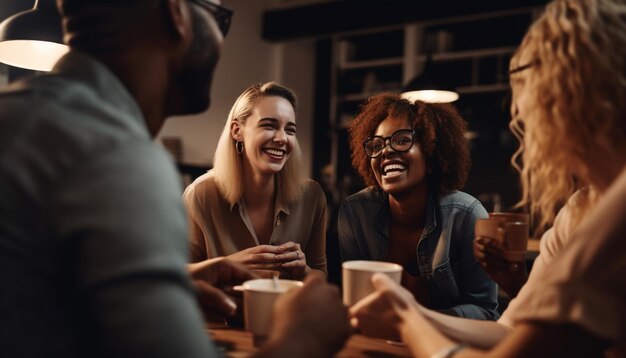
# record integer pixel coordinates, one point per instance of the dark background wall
(10, 7)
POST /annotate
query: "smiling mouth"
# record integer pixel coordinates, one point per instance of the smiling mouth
(393, 169)
(275, 153)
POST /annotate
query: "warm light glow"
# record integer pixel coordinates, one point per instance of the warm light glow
(32, 55)
(431, 96)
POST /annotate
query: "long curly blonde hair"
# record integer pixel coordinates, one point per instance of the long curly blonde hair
(574, 89)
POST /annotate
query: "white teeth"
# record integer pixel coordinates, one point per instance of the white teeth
(393, 168)
(275, 152)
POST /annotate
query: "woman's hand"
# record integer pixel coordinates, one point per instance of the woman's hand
(382, 313)
(261, 257)
(287, 258)
(292, 260)
(511, 276)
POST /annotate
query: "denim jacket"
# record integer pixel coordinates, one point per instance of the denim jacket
(444, 252)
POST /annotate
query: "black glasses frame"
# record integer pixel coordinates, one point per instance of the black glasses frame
(389, 142)
(222, 15)
(523, 67)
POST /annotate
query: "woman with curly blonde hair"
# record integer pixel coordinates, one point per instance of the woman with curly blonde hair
(569, 90)
(256, 206)
(415, 158)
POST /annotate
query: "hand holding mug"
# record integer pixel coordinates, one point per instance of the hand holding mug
(381, 313)
(500, 248)
(511, 276)
(490, 255)
(509, 230)
(357, 278)
(214, 279)
(310, 320)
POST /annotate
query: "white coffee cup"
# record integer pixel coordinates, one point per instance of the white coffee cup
(357, 278)
(259, 297)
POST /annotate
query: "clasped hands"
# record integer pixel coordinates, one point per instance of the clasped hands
(288, 258)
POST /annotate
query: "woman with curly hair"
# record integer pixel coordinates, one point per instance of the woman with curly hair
(414, 157)
(256, 205)
(569, 89)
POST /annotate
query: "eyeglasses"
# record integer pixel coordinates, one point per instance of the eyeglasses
(400, 141)
(223, 16)
(523, 67)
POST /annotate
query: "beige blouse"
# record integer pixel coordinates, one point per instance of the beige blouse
(218, 228)
(585, 282)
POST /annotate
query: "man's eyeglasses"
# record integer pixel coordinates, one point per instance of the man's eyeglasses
(400, 141)
(222, 15)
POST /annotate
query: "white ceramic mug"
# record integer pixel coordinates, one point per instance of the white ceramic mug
(259, 297)
(357, 278)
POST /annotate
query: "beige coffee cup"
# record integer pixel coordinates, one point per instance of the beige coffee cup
(259, 297)
(357, 278)
(510, 217)
(267, 273)
(510, 229)
(514, 238)
(486, 228)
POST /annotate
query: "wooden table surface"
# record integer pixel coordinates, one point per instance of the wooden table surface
(235, 342)
(532, 250)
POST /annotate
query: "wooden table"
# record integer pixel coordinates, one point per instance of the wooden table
(532, 249)
(235, 342)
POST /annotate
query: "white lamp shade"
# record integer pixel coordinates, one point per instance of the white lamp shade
(32, 39)
(431, 96)
(31, 54)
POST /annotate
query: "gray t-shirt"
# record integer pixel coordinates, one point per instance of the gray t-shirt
(93, 235)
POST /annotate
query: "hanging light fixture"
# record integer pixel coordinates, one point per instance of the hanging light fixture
(430, 86)
(32, 39)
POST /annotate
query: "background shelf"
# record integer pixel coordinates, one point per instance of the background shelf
(471, 52)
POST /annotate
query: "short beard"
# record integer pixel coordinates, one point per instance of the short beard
(198, 66)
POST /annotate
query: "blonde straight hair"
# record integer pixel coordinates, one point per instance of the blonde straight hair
(227, 163)
(575, 85)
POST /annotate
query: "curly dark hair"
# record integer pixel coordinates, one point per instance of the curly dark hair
(439, 130)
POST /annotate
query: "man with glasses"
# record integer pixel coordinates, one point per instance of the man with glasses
(93, 236)
(222, 15)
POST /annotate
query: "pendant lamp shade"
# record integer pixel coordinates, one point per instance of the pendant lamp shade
(32, 39)
(430, 86)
